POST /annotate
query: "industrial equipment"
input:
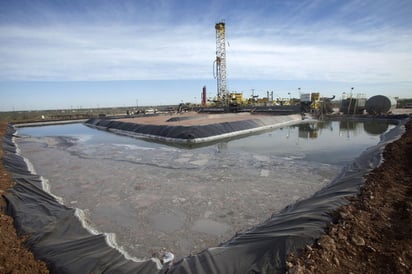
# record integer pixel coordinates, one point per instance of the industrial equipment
(380, 104)
(314, 103)
(220, 63)
(352, 105)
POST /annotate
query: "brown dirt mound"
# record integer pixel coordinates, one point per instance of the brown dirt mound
(372, 234)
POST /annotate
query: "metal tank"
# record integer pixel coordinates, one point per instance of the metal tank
(380, 104)
(353, 105)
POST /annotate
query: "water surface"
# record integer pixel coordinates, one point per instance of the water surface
(156, 197)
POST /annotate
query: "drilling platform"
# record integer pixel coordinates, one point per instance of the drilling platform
(220, 63)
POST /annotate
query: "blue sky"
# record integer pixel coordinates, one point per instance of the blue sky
(63, 54)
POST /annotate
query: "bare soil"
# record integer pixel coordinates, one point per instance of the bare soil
(372, 234)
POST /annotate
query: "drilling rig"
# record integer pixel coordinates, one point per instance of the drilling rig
(219, 67)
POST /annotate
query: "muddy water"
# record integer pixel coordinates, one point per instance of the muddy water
(160, 198)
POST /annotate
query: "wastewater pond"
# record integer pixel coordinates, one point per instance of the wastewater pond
(158, 198)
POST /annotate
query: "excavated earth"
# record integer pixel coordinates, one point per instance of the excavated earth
(372, 234)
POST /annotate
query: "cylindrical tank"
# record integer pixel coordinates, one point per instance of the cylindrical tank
(380, 104)
(353, 105)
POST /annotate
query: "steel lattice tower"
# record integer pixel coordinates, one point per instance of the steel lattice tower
(220, 73)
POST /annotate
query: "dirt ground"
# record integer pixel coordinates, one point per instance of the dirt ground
(370, 235)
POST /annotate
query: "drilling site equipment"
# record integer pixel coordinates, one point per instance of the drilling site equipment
(220, 63)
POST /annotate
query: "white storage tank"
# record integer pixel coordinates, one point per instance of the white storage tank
(380, 104)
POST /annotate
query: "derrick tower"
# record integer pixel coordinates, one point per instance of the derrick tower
(220, 62)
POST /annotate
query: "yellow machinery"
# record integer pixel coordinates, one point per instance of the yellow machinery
(316, 102)
(236, 98)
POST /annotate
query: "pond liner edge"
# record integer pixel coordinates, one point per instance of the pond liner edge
(58, 237)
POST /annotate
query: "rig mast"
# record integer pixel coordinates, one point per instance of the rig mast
(220, 62)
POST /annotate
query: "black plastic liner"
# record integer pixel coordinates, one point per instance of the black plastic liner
(188, 134)
(58, 237)
(176, 132)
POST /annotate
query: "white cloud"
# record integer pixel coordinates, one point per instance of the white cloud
(383, 58)
(160, 51)
(60, 53)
